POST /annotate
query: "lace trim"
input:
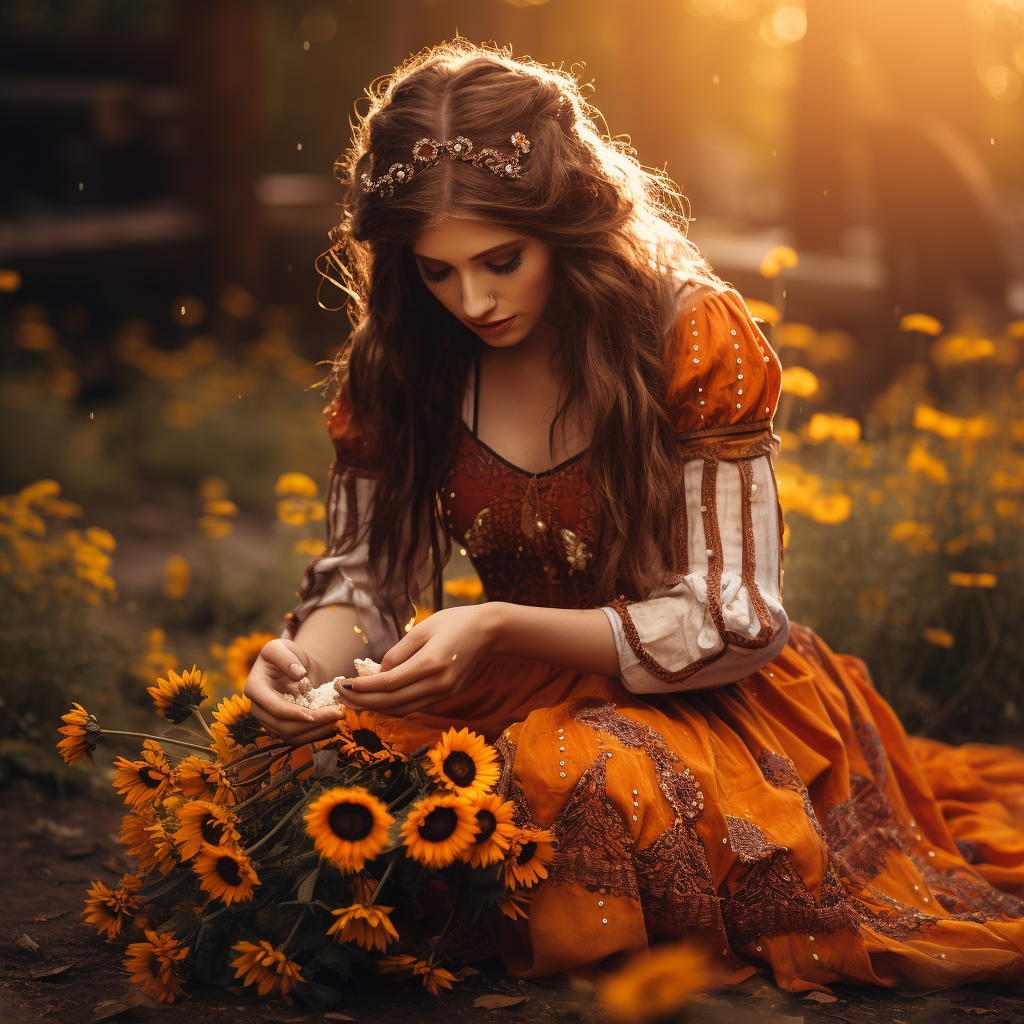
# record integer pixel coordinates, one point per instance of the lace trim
(593, 843)
(730, 449)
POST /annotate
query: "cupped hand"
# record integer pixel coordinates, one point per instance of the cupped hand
(430, 663)
(277, 670)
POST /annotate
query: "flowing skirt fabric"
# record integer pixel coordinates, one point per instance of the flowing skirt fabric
(787, 820)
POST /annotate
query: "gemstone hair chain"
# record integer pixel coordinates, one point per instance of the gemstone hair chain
(428, 152)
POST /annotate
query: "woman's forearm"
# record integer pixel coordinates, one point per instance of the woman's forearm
(328, 635)
(567, 637)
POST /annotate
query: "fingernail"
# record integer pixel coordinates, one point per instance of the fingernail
(347, 686)
(298, 668)
(309, 718)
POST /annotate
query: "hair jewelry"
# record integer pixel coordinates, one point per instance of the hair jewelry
(428, 152)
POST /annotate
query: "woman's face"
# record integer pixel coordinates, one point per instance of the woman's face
(495, 280)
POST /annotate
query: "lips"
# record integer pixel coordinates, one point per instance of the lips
(491, 323)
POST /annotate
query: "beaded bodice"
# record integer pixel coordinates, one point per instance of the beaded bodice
(531, 537)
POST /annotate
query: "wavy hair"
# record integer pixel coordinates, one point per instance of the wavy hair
(618, 232)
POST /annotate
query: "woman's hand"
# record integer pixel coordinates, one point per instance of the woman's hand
(430, 662)
(279, 667)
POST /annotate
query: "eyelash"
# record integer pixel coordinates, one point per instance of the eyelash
(436, 276)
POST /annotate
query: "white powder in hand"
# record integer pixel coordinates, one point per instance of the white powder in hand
(329, 694)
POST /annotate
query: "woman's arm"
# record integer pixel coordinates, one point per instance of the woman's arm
(434, 659)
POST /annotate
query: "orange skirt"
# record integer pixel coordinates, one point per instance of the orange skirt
(787, 820)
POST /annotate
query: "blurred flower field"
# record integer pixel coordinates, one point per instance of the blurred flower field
(163, 492)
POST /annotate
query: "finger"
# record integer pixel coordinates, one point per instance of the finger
(287, 657)
(262, 693)
(405, 648)
(312, 734)
(433, 688)
(277, 727)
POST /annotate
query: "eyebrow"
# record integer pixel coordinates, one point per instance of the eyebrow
(479, 256)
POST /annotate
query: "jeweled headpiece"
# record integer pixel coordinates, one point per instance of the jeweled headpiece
(428, 152)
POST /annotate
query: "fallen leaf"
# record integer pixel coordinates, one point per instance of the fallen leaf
(466, 972)
(26, 943)
(52, 917)
(52, 970)
(496, 1002)
(335, 1016)
(235, 990)
(820, 997)
(764, 992)
(109, 1008)
(136, 997)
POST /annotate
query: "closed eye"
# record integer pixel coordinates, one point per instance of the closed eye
(506, 268)
(434, 276)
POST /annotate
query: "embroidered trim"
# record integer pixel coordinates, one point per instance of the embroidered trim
(748, 571)
(730, 450)
(593, 843)
(747, 427)
(656, 669)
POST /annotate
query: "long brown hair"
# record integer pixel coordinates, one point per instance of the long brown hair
(618, 233)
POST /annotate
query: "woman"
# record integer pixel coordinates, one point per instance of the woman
(544, 370)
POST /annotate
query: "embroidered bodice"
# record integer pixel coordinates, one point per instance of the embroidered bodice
(532, 537)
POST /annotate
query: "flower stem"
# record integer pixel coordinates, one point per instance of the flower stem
(443, 936)
(256, 753)
(276, 785)
(295, 928)
(202, 722)
(384, 877)
(399, 799)
(159, 739)
(284, 821)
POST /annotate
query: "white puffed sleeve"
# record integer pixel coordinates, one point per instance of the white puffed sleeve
(721, 617)
(724, 618)
(342, 575)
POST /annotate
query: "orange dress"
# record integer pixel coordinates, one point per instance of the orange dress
(786, 819)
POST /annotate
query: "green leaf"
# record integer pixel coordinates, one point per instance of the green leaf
(317, 996)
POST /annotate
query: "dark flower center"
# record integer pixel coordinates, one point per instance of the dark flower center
(150, 777)
(245, 729)
(368, 740)
(227, 868)
(351, 822)
(211, 830)
(488, 823)
(526, 853)
(154, 966)
(460, 768)
(439, 825)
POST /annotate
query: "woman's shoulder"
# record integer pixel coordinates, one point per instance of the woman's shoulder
(345, 432)
(723, 375)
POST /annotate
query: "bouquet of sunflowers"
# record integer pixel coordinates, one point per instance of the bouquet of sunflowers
(287, 868)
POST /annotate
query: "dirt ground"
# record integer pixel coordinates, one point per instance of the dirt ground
(54, 968)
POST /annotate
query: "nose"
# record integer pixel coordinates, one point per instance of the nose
(477, 302)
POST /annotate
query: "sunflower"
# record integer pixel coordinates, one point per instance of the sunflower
(207, 780)
(143, 783)
(530, 851)
(266, 967)
(81, 731)
(360, 739)
(514, 905)
(108, 909)
(176, 697)
(365, 924)
(439, 829)
(397, 963)
(241, 655)
(162, 844)
(234, 726)
(348, 826)
(137, 839)
(496, 831)
(151, 965)
(225, 874)
(656, 984)
(203, 822)
(464, 762)
(434, 978)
